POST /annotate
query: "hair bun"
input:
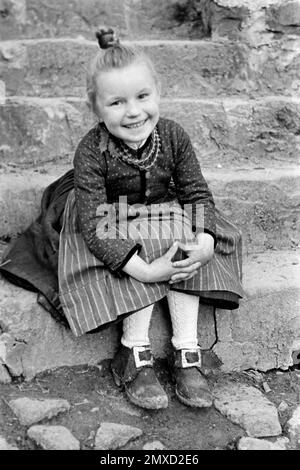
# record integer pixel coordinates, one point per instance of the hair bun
(106, 38)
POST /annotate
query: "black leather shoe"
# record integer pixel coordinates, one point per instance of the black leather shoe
(132, 368)
(192, 388)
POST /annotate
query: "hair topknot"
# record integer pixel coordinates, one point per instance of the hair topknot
(106, 37)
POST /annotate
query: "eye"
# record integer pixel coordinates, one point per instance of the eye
(142, 96)
(115, 103)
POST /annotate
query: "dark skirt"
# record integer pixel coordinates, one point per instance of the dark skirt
(92, 296)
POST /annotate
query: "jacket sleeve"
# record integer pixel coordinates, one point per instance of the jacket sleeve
(191, 188)
(96, 218)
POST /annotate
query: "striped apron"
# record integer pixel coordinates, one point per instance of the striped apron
(92, 296)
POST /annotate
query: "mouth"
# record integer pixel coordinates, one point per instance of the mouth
(136, 125)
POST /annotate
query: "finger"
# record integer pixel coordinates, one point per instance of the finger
(186, 262)
(193, 267)
(188, 269)
(189, 276)
(172, 250)
(192, 274)
(181, 245)
(181, 277)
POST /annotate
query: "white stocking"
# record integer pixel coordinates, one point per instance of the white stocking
(136, 328)
(184, 316)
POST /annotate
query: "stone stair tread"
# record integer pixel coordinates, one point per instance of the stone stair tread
(262, 202)
(271, 271)
(53, 170)
(263, 273)
(16, 179)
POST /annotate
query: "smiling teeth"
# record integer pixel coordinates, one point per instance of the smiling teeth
(136, 125)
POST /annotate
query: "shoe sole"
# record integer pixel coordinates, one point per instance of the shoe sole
(157, 404)
(194, 403)
(154, 404)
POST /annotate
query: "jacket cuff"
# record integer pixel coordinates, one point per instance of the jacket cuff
(136, 249)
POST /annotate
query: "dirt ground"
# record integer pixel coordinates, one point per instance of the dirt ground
(94, 398)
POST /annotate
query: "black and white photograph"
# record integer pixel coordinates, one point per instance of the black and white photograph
(149, 229)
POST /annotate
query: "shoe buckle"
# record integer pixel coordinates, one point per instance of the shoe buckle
(190, 357)
(141, 361)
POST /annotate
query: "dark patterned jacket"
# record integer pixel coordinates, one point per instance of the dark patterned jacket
(101, 177)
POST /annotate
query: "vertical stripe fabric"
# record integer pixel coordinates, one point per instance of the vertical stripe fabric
(92, 296)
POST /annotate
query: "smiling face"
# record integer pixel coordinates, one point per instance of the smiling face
(127, 101)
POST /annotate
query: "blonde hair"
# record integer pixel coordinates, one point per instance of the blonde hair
(112, 55)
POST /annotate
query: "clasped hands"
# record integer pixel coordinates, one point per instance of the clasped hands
(198, 254)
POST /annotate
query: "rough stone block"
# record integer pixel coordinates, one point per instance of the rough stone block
(237, 133)
(186, 68)
(12, 18)
(261, 333)
(167, 20)
(274, 68)
(268, 130)
(226, 19)
(252, 202)
(53, 437)
(34, 341)
(284, 17)
(250, 21)
(293, 427)
(252, 443)
(4, 445)
(246, 406)
(20, 201)
(33, 18)
(33, 132)
(225, 133)
(30, 411)
(44, 68)
(114, 435)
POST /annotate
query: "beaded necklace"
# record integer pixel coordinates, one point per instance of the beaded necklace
(145, 162)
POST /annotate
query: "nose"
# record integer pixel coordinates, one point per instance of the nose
(133, 108)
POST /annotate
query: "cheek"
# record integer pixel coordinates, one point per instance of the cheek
(114, 118)
(155, 108)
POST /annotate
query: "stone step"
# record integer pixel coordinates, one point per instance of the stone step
(263, 203)
(149, 18)
(227, 132)
(33, 18)
(187, 69)
(261, 334)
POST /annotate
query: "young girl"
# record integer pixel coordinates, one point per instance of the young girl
(140, 225)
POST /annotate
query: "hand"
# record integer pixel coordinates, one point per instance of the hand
(162, 268)
(202, 252)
